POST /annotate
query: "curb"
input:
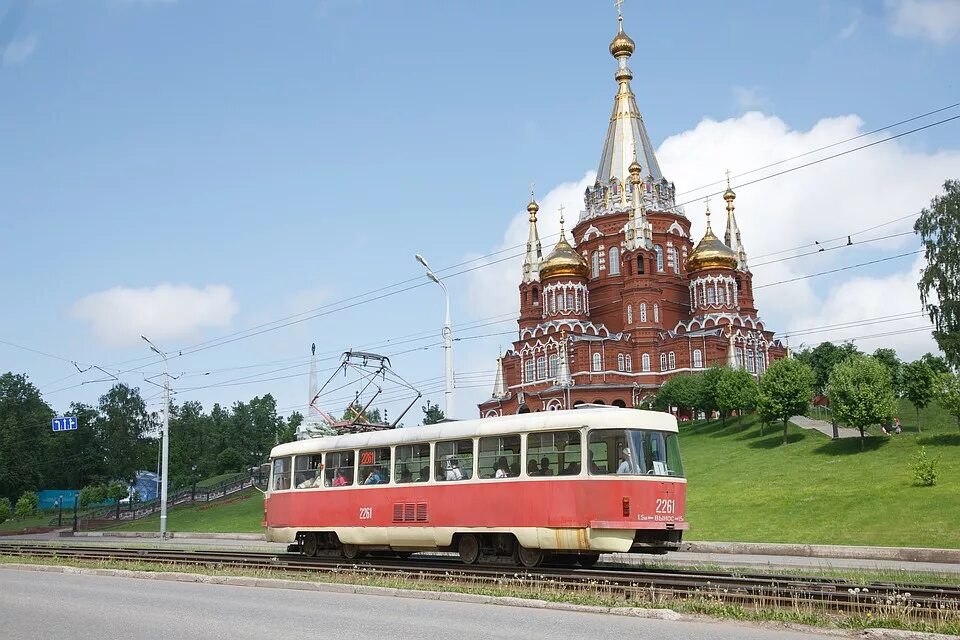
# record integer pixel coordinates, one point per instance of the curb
(902, 554)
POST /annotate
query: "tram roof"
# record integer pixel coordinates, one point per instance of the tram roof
(605, 418)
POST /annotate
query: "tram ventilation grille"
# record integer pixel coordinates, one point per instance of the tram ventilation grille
(410, 512)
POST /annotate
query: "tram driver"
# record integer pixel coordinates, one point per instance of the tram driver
(454, 472)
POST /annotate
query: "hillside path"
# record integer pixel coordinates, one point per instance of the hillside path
(823, 427)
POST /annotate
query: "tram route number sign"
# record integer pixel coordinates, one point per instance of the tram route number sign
(67, 423)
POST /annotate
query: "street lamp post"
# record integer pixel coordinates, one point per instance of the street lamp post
(447, 341)
(165, 437)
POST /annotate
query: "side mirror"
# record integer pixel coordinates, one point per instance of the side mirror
(262, 479)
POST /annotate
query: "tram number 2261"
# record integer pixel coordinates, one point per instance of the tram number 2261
(666, 506)
(366, 513)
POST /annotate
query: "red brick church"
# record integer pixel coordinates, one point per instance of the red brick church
(628, 301)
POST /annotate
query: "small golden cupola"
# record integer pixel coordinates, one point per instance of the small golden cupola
(711, 252)
(564, 259)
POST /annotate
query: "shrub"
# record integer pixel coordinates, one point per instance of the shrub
(5, 509)
(27, 504)
(925, 468)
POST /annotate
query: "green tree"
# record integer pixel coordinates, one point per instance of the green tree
(288, 430)
(707, 391)
(736, 390)
(822, 358)
(785, 390)
(432, 413)
(24, 423)
(122, 423)
(950, 394)
(354, 411)
(889, 359)
(937, 363)
(919, 385)
(681, 391)
(5, 509)
(939, 229)
(93, 494)
(27, 504)
(117, 492)
(861, 394)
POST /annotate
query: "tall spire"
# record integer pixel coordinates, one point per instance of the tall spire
(626, 124)
(732, 237)
(499, 388)
(531, 263)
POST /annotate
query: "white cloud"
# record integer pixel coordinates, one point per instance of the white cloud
(850, 29)
(17, 51)
(831, 199)
(936, 20)
(120, 315)
(750, 98)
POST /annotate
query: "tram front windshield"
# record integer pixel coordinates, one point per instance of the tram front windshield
(633, 452)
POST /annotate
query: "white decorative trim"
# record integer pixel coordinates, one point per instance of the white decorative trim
(676, 229)
(591, 232)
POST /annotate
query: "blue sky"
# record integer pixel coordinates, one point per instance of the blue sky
(268, 158)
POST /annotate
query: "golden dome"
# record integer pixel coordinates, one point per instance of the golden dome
(564, 261)
(622, 44)
(729, 195)
(533, 207)
(711, 253)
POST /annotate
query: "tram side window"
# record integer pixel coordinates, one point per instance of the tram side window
(375, 466)
(412, 462)
(454, 460)
(339, 469)
(281, 474)
(308, 471)
(553, 453)
(634, 451)
(499, 457)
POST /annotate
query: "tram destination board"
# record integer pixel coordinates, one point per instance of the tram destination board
(67, 423)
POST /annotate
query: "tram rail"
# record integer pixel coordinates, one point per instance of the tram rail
(630, 583)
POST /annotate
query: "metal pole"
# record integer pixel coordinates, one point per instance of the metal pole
(447, 357)
(166, 445)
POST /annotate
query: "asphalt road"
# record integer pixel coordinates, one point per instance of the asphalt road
(35, 605)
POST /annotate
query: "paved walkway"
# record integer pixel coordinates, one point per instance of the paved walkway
(823, 427)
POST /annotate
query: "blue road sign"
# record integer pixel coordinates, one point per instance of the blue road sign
(68, 423)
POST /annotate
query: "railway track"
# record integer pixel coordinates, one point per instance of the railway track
(630, 583)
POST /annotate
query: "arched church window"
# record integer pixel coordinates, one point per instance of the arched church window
(697, 359)
(710, 298)
(614, 261)
(629, 314)
(738, 358)
(643, 312)
(645, 362)
(596, 362)
(541, 368)
(629, 363)
(750, 360)
(673, 361)
(552, 366)
(620, 362)
(720, 296)
(659, 251)
(640, 265)
(570, 301)
(595, 264)
(663, 362)
(528, 371)
(656, 313)
(760, 362)
(535, 294)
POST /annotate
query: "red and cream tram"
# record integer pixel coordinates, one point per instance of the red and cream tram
(579, 483)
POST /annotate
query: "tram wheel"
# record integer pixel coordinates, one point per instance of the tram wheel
(310, 545)
(528, 558)
(469, 548)
(587, 560)
(350, 551)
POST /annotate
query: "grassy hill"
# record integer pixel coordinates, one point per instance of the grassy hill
(239, 513)
(746, 486)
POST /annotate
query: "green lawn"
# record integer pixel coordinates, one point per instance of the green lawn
(43, 520)
(240, 513)
(220, 479)
(744, 486)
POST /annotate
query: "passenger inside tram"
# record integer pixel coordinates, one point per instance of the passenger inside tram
(424, 474)
(454, 472)
(545, 467)
(532, 469)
